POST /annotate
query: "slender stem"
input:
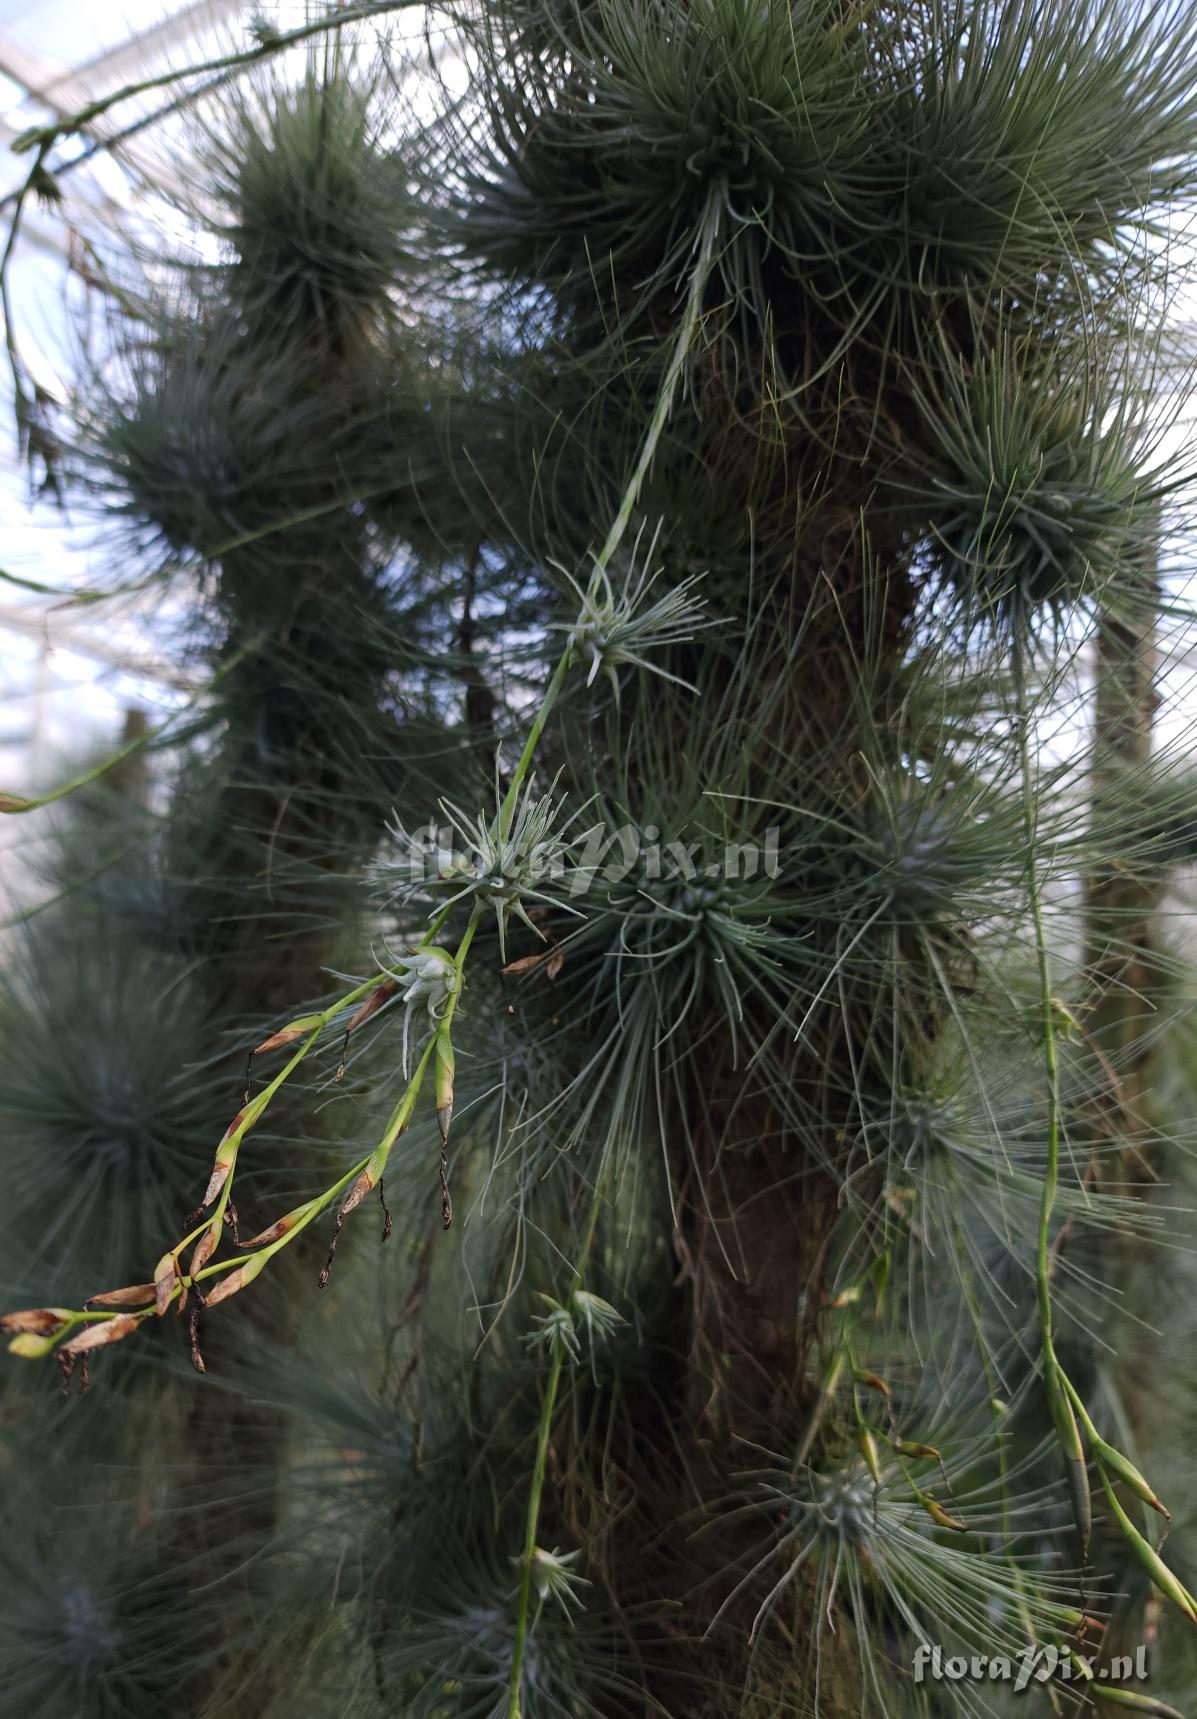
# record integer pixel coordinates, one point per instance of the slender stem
(619, 525)
(257, 1106)
(459, 960)
(396, 1122)
(530, 1530)
(552, 691)
(532, 1517)
(681, 349)
(1051, 1175)
(313, 1207)
(687, 329)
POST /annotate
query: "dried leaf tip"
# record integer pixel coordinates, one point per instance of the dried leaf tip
(132, 1295)
(166, 1276)
(445, 1068)
(97, 1336)
(296, 1029)
(382, 993)
(940, 1517)
(236, 1280)
(871, 1380)
(39, 1320)
(100, 1335)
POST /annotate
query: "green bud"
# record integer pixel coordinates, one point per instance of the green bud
(1115, 1463)
(868, 1450)
(237, 1279)
(32, 1347)
(1164, 1579)
(1074, 1451)
(445, 1066)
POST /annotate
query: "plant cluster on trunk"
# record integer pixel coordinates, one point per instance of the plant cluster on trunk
(756, 1090)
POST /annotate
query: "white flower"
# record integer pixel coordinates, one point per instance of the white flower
(551, 1575)
(428, 977)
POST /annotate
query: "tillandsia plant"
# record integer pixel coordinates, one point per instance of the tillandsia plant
(754, 1037)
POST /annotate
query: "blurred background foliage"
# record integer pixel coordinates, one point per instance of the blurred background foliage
(790, 1121)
